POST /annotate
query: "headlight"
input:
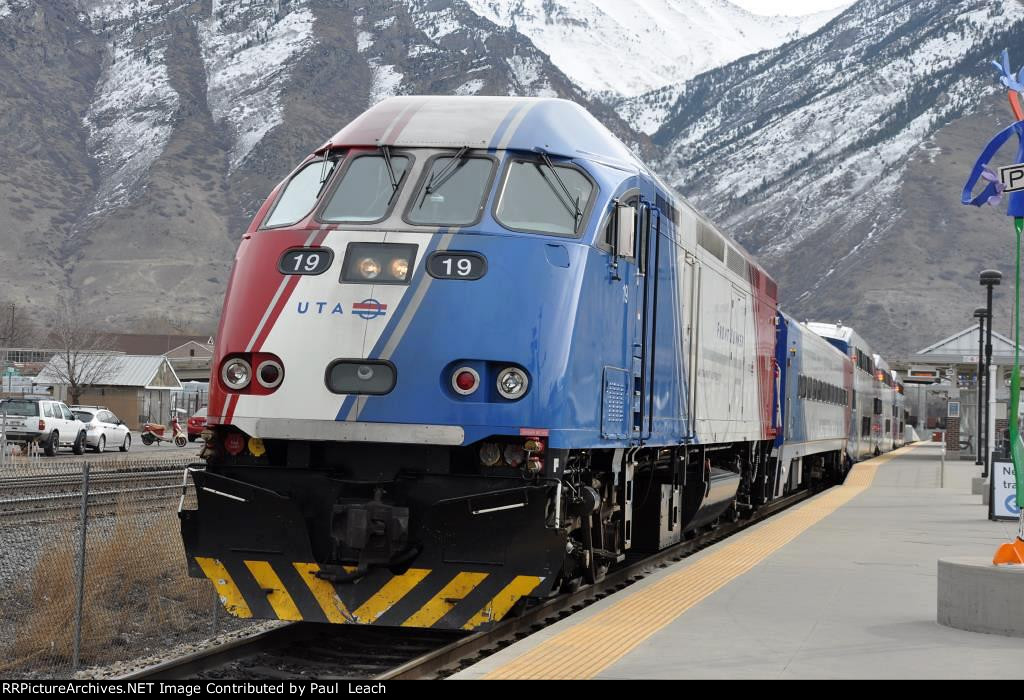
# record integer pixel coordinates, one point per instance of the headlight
(380, 263)
(512, 383)
(369, 268)
(236, 374)
(399, 268)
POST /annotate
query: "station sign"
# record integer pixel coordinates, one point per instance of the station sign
(1004, 492)
(1012, 177)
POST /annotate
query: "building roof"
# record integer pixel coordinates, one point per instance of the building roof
(962, 346)
(142, 371)
(149, 344)
(189, 350)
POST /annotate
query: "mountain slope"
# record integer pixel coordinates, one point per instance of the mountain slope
(656, 42)
(801, 152)
(143, 135)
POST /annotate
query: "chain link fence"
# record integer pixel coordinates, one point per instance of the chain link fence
(92, 569)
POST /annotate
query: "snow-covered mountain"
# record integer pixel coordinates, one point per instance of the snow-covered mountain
(625, 48)
(803, 152)
(140, 135)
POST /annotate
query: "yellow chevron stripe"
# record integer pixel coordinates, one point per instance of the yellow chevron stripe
(277, 595)
(500, 604)
(324, 593)
(229, 594)
(389, 594)
(446, 599)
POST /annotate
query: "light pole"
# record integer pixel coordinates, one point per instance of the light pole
(981, 315)
(988, 279)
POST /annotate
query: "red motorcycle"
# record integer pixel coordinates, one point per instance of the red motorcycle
(156, 432)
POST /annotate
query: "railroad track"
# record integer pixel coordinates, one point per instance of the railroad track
(301, 651)
(55, 483)
(37, 509)
(35, 499)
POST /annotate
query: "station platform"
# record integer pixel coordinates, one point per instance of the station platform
(842, 585)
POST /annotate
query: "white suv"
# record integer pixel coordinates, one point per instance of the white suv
(50, 423)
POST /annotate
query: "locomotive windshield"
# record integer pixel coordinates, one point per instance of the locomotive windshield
(453, 193)
(536, 198)
(301, 193)
(366, 192)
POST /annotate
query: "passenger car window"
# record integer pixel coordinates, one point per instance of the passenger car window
(68, 415)
(51, 410)
(365, 193)
(533, 200)
(300, 194)
(452, 193)
(83, 416)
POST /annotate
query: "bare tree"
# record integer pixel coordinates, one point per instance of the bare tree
(17, 329)
(84, 357)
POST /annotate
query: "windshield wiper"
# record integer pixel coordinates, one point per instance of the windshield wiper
(577, 214)
(439, 178)
(386, 150)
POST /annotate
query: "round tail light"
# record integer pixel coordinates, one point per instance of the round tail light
(269, 374)
(465, 380)
(236, 373)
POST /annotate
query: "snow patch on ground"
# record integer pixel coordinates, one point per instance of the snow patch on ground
(7, 7)
(129, 120)
(364, 40)
(386, 81)
(526, 73)
(248, 48)
(470, 87)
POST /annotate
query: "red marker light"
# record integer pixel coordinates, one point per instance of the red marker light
(234, 443)
(465, 380)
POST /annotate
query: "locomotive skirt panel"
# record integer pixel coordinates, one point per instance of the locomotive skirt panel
(462, 562)
(250, 588)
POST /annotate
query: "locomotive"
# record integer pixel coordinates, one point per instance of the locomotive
(474, 352)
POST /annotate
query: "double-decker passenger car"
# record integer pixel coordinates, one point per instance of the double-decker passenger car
(816, 381)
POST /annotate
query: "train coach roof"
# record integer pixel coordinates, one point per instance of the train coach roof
(559, 127)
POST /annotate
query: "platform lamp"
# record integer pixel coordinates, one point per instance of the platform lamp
(988, 279)
(980, 314)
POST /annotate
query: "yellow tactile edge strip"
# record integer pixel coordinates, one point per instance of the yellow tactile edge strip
(587, 648)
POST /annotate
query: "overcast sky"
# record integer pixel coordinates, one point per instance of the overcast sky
(789, 7)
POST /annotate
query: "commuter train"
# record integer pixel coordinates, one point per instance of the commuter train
(474, 352)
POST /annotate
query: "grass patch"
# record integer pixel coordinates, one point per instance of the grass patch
(138, 596)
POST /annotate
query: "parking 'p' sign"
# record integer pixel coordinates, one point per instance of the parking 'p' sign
(1012, 177)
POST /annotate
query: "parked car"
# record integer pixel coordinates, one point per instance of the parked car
(47, 422)
(103, 429)
(196, 424)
